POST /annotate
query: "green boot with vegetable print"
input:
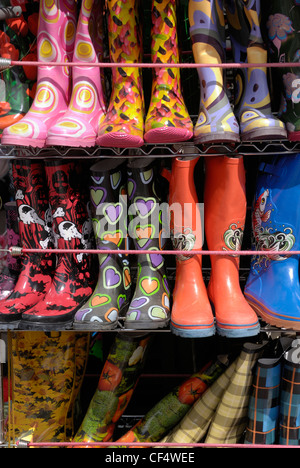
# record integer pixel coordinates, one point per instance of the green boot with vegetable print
(168, 412)
(116, 385)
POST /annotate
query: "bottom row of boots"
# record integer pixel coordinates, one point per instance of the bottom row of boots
(65, 208)
(249, 396)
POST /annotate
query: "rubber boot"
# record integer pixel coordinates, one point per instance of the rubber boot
(150, 304)
(282, 21)
(35, 230)
(167, 119)
(216, 121)
(111, 296)
(79, 125)
(17, 42)
(264, 401)
(11, 271)
(191, 315)
(225, 213)
(48, 370)
(227, 427)
(72, 282)
(289, 398)
(272, 287)
(118, 379)
(123, 125)
(252, 105)
(55, 39)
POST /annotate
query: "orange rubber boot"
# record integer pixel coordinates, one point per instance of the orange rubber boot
(225, 212)
(191, 312)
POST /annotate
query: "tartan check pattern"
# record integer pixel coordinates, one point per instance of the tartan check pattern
(263, 411)
(289, 418)
(222, 409)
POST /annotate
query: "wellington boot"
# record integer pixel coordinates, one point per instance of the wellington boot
(252, 98)
(150, 304)
(191, 311)
(118, 379)
(111, 296)
(35, 230)
(79, 125)
(17, 42)
(264, 401)
(11, 271)
(225, 213)
(289, 412)
(227, 427)
(167, 120)
(72, 282)
(55, 39)
(47, 370)
(123, 125)
(282, 21)
(216, 121)
(273, 287)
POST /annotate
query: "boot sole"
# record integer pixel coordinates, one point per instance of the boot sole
(167, 135)
(265, 134)
(270, 319)
(192, 331)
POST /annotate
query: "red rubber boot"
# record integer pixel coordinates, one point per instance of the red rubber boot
(35, 230)
(225, 212)
(191, 312)
(72, 283)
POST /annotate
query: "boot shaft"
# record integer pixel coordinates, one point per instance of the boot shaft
(32, 199)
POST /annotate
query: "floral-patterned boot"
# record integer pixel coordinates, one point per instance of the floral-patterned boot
(282, 21)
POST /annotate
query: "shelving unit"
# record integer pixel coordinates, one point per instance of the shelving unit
(189, 355)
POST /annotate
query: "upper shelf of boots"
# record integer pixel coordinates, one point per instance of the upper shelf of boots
(188, 149)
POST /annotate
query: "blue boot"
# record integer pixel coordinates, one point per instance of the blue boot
(272, 287)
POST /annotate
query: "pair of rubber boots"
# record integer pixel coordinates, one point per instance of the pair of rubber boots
(73, 112)
(48, 370)
(127, 212)
(197, 310)
(252, 117)
(53, 214)
(272, 287)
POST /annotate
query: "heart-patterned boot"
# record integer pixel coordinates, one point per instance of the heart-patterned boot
(149, 308)
(111, 296)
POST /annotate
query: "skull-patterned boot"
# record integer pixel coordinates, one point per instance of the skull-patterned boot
(108, 209)
(72, 282)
